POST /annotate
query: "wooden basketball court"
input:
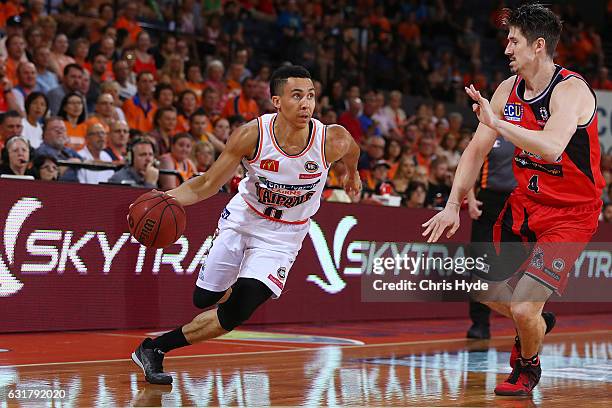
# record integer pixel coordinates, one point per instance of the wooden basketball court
(397, 363)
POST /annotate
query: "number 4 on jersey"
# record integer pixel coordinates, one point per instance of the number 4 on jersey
(533, 184)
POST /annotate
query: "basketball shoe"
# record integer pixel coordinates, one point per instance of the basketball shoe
(150, 360)
(524, 377)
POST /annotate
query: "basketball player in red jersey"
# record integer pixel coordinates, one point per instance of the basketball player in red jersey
(287, 156)
(549, 114)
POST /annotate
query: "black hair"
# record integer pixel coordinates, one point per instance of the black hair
(32, 97)
(8, 114)
(535, 21)
(179, 136)
(278, 79)
(68, 67)
(38, 162)
(62, 110)
(160, 87)
(159, 112)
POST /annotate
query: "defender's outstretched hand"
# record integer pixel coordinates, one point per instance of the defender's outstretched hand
(447, 218)
(482, 108)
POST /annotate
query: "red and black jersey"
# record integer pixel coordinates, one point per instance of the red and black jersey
(574, 178)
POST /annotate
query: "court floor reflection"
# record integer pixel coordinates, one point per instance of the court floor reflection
(577, 370)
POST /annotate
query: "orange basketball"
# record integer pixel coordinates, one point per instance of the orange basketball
(156, 219)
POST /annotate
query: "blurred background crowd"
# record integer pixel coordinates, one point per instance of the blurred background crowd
(98, 91)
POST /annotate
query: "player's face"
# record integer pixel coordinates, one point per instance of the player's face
(297, 102)
(518, 50)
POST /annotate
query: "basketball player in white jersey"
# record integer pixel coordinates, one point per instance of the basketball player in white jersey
(287, 156)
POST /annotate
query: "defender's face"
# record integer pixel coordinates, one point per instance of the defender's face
(297, 101)
(518, 50)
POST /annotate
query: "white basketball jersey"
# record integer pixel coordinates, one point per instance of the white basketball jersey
(283, 187)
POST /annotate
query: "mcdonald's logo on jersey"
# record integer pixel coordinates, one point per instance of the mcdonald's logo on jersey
(269, 165)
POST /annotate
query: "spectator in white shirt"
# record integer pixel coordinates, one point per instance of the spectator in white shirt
(36, 108)
(94, 153)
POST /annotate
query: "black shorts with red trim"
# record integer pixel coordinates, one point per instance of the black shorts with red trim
(540, 241)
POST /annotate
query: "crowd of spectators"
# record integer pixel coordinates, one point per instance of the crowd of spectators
(160, 85)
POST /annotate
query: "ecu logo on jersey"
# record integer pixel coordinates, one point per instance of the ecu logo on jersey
(513, 112)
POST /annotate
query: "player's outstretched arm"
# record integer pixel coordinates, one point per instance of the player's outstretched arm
(468, 169)
(571, 103)
(340, 145)
(242, 143)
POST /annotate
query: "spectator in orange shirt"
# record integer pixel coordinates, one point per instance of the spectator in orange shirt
(128, 23)
(72, 110)
(178, 159)
(602, 81)
(15, 49)
(9, 9)
(234, 76)
(140, 109)
(199, 125)
(187, 105)
(243, 104)
(195, 81)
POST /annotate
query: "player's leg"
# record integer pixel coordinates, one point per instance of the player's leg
(213, 286)
(245, 297)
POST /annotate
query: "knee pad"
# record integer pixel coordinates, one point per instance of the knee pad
(247, 295)
(203, 298)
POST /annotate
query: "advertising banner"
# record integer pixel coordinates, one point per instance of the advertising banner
(67, 262)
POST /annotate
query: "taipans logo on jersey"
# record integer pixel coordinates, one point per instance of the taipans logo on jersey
(513, 112)
(272, 198)
(269, 165)
(311, 166)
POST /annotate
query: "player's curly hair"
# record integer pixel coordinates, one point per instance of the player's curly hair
(535, 21)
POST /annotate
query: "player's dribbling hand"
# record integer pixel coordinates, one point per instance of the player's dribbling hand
(447, 218)
(482, 108)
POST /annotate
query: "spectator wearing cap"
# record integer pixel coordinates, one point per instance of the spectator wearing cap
(26, 84)
(12, 26)
(10, 126)
(378, 181)
(93, 152)
(46, 80)
(244, 104)
(140, 109)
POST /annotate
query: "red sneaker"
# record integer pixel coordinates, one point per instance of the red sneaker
(524, 377)
(516, 351)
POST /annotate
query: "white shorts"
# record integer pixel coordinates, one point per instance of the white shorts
(246, 245)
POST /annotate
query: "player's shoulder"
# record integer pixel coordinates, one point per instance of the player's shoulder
(244, 138)
(572, 85)
(335, 131)
(505, 86)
